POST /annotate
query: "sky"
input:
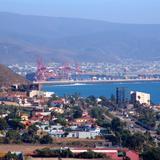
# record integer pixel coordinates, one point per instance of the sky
(123, 11)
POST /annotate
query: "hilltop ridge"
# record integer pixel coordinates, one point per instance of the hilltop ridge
(8, 77)
(25, 37)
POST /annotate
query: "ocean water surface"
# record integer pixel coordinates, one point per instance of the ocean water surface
(106, 89)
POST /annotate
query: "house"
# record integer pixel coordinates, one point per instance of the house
(84, 132)
(34, 93)
(57, 103)
(35, 119)
(43, 113)
(84, 120)
(41, 117)
(55, 131)
(24, 102)
(57, 110)
(9, 103)
(47, 127)
(48, 94)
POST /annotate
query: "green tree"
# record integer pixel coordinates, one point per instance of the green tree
(10, 156)
(30, 138)
(90, 155)
(103, 123)
(46, 139)
(147, 117)
(62, 121)
(135, 141)
(3, 124)
(46, 152)
(14, 113)
(113, 98)
(151, 154)
(31, 135)
(125, 137)
(15, 124)
(96, 112)
(158, 129)
(91, 100)
(77, 112)
(32, 129)
(138, 140)
(12, 136)
(116, 124)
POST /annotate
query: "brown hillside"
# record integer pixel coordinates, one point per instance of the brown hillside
(8, 77)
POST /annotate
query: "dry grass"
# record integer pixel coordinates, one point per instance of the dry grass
(60, 142)
(26, 149)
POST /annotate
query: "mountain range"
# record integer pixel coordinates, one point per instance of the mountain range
(25, 38)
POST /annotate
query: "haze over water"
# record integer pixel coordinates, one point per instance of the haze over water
(106, 89)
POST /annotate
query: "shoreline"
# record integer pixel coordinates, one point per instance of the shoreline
(94, 81)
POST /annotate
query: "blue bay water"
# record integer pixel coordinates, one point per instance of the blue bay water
(106, 89)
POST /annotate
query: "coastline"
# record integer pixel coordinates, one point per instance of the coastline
(94, 81)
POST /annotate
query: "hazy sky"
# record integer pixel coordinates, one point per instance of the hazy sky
(127, 11)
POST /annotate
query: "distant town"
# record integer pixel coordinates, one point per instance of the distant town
(40, 124)
(129, 70)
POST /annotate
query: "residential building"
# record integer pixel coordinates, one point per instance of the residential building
(141, 97)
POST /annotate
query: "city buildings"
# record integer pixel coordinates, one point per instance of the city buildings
(141, 97)
(90, 71)
(121, 95)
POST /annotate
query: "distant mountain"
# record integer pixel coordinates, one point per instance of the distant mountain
(24, 38)
(8, 77)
